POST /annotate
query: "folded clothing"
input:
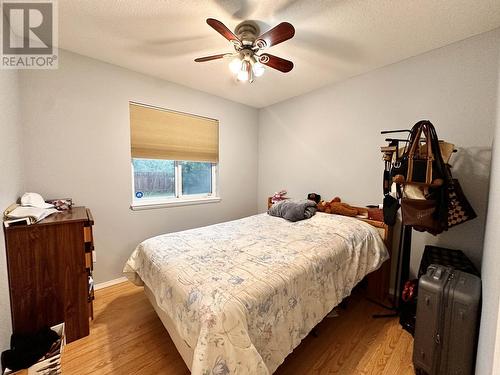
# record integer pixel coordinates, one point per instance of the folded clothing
(293, 210)
(35, 214)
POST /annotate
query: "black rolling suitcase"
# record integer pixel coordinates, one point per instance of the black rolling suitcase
(447, 322)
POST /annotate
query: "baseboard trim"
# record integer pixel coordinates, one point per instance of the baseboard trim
(105, 284)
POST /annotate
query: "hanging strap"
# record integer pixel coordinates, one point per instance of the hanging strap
(422, 127)
(430, 154)
(411, 153)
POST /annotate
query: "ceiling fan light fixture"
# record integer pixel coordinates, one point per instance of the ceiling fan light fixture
(258, 69)
(242, 76)
(244, 73)
(246, 61)
(235, 65)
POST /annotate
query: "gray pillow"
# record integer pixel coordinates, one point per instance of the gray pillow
(293, 210)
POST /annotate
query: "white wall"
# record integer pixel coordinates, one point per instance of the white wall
(11, 180)
(76, 138)
(328, 141)
(488, 355)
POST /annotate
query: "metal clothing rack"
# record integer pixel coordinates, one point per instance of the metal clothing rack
(402, 272)
(404, 246)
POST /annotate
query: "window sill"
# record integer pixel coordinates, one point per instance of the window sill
(148, 205)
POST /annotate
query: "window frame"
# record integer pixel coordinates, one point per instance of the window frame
(178, 199)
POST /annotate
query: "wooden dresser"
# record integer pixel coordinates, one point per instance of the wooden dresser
(49, 265)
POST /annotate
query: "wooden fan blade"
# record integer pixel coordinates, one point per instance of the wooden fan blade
(276, 35)
(222, 29)
(276, 62)
(213, 57)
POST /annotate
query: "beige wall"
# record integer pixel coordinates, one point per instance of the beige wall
(11, 180)
(76, 138)
(328, 141)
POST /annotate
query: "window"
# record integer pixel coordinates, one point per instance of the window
(174, 157)
(156, 179)
(196, 177)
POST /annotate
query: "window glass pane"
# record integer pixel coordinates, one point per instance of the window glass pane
(153, 178)
(196, 178)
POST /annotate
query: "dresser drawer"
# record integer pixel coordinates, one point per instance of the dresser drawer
(87, 234)
(88, 261)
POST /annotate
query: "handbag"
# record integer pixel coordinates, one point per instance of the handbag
(459, 208)
(390, 210)
(423, 167)
(421, 215)
(420, 165)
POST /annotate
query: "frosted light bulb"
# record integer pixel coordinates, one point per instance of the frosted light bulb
(242, 75)
(258, 69)
(235, 65)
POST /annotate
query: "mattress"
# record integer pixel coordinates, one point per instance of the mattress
(244, 293)
(183, 348)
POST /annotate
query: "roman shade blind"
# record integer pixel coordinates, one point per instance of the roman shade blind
(156, 133)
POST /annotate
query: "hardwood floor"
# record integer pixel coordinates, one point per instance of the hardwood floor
(127, 337)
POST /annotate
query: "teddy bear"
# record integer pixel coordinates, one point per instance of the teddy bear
(335, 206)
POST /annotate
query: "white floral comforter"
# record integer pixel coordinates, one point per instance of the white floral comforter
(244, 293)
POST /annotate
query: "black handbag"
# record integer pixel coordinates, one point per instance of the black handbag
(415, 167)
(428, 170)
(445, 204)
(390, 210)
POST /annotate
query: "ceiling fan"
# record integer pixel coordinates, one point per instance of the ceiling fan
(247, 60)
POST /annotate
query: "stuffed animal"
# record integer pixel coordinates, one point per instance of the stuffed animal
(335, 206)
(278, 196)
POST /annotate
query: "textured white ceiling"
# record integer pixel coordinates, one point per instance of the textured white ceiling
(334, 39)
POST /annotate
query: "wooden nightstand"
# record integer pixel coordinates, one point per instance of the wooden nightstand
(49, 265)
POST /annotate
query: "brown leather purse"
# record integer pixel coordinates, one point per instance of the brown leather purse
(421, 215)
(415, 167)
(427, 171)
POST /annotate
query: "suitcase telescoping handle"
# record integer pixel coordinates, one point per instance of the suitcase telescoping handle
(438, 273)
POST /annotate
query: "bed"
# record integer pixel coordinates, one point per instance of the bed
(238, 297)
